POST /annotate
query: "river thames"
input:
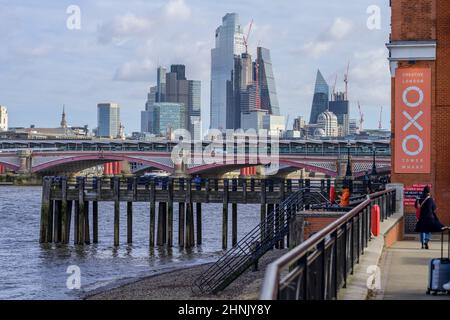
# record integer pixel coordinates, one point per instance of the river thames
(30, 270)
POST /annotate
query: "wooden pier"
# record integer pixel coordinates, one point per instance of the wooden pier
(61, 200)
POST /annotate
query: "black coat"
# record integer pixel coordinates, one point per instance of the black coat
(428, 221)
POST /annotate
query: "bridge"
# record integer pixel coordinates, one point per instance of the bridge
(60, 157)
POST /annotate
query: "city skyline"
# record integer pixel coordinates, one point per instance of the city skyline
(126, 41)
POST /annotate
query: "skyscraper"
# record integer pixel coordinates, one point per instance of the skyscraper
(340, 107)
(188, 93)
(3, 118)
(168, 117)
(320, 99)
(269, 98)
(147, 114)
(108, 120)
(160, 85)
(229, 42)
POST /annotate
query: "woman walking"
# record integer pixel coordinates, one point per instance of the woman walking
(428, 221)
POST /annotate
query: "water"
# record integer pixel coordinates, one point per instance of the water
(29, 270)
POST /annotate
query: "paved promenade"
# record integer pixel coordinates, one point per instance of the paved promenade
(404, 271)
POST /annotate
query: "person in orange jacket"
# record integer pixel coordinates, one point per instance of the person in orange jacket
(345, 197)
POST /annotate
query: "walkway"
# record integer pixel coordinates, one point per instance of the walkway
(404, 271)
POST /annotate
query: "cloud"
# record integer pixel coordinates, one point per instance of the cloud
(326, 40)
(34, 52)
(136, 71)
(177, 9)
(123, 28)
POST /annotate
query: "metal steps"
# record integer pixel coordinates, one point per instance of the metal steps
(256, 243)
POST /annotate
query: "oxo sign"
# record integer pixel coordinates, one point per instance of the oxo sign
(412, 120)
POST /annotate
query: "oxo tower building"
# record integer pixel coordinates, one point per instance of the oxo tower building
(229, 42)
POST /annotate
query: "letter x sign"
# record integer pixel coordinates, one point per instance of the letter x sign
(413, 121)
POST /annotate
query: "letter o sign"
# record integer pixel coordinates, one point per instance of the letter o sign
(413, 104)
(405, 147)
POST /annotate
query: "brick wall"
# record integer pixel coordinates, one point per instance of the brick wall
(316, 223)
(429, 20)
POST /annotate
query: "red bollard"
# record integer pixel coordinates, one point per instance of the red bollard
(376, 220)
(332, 194)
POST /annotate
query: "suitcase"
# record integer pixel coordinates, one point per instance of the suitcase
(439, 271)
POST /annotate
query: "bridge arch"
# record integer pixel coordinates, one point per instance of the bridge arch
(10, 166)
(205, 168)
(99, 159)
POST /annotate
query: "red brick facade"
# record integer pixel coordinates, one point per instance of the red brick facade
(419, 20)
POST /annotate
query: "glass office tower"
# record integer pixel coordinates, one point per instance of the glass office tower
(269, 98)
(321, 98)
(108, 120)
(229, 42)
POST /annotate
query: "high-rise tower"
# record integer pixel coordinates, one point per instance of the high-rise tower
(269, 98)
(229, 42)
(321, 98)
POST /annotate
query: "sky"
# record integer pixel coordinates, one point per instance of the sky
(114, 55)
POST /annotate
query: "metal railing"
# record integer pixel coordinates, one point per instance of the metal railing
(318, 268)
(256, 243)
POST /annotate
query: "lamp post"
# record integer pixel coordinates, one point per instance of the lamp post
(374, 166)
(348, 172)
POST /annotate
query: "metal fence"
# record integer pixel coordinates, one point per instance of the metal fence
(318, 268)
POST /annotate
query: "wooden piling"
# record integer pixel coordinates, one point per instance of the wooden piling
(95, 222)
(181, 208)
(76, 222)
(50, 221)
(234, 224)
(45, 211)
(263, 210)
(190, 240)
(152, 214)
(64, 212)
(199, 222)
(81, 212)
(170, 214)
(57, 222)
(161, 227)
(129, 222)
(116, 193)
(87, 237)
(69, 220)
(225, 216)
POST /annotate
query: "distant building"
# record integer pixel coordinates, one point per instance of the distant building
(299, 123)
(3, 118)
(251, 88)
(168, 117)
(269, 98)
(320, 99)
(147, 114)
(108, 120)
(173, 87)
(340, 107)
(329, 123)
(253, 120)
(353, 127)
(275, 125)
(229, 38)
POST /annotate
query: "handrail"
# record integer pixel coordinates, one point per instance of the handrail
(243, 255)
(272, 278)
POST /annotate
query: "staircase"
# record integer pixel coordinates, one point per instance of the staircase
(256, 243)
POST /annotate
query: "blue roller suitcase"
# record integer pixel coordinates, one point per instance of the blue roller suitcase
(439, 271)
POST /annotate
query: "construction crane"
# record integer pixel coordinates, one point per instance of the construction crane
(334, 88)
(361, 118)
(248, 36)
(346, 81)
(380, 125)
